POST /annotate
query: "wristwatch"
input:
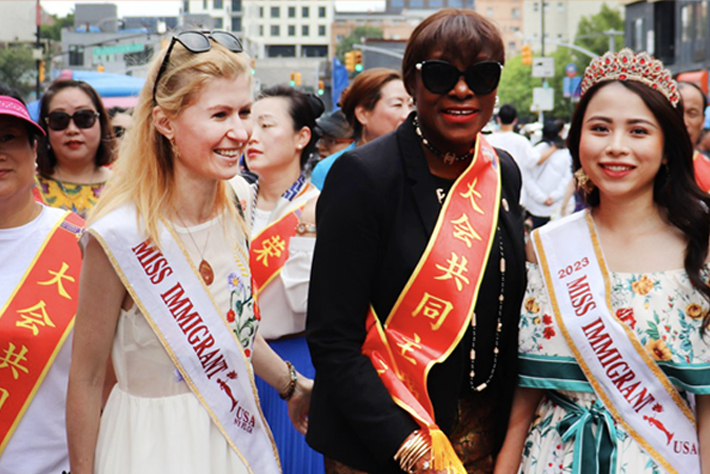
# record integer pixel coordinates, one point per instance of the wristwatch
(303, 228)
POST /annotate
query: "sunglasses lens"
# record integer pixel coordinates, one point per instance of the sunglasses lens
(483, 78)
(118, 131)
(228, 40)
(58, 120)
(194, 41)
(439, 77)
(84, 118)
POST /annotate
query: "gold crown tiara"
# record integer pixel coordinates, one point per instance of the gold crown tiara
(627, 66)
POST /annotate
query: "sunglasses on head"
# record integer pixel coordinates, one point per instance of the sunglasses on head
(440, 76)
(197, 42)
(84, 118)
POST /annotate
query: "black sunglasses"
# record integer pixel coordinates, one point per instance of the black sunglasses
(197, 42)
(118, 131)
(440, 76)
(84, 118)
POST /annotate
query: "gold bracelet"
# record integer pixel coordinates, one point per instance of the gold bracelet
(405, 446)
(418, 455)
(411, 451)
(406, 462)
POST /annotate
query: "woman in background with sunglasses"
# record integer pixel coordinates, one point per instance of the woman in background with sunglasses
(418, 274)
(375, 104)
(71, 163)
(167, 291)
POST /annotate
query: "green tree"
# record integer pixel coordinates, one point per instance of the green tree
(54, 32)
(590, 31)
(346, 44)
(17, 69)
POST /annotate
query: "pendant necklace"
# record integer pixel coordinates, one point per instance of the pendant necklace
(499, 327)
(79, 192)
(204, 268)
(448, 158)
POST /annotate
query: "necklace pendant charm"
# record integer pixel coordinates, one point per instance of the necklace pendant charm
(206, 272)
(449, 158)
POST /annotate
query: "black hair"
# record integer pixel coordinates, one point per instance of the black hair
(15, 94)
(674, 187)
(116, 110)
(507, 114)
(551, 133)
(304, 109)
(697, 88)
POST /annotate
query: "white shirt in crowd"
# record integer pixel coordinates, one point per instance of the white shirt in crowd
(522, 152)
(548, 180)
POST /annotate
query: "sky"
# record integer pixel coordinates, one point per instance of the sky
(172, 7)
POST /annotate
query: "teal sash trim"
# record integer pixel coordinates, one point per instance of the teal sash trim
(593, 454)
(563, 373)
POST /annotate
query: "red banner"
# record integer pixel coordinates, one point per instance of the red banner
(702, 171)
(38, 317)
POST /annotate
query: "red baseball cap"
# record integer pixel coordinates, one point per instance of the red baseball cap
(15, 108)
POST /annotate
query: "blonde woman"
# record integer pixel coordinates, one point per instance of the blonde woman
(167, 288)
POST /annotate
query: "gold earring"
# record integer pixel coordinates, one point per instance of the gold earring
(583, 181)
(174, 149)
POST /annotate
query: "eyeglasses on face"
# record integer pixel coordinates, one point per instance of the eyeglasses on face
(440, 76)
(197, 42)
(84, 118)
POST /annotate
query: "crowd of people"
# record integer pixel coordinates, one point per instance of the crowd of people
(215, 282)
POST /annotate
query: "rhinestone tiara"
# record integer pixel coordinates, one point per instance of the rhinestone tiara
(627, 66)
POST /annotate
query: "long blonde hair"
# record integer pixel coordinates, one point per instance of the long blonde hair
(144, 172)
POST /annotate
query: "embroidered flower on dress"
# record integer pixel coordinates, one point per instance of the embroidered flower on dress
(548, 332)
(235, 283)
(642, 286)
(531, 306)
(658, 349)
(694, 311)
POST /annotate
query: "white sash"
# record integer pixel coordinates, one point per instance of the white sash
(169, 292)
(624, 376)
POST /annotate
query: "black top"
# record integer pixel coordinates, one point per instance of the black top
(375, 215)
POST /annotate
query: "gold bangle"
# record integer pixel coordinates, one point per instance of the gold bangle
(418, 455)
(411, 451)
(405, 446)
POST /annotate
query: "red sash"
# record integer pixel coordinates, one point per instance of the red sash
(269, 249)
(702, 171)
(36, 320)
(434, 310)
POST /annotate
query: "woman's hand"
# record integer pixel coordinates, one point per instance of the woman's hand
(299, 404)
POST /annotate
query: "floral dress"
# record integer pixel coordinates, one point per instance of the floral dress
(665, 311)
(79, 198)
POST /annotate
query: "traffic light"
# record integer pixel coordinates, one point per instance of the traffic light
(41, 71)
(526, 57)
(358, 61)
(321, 87)
(293, 79)
(350, 61)
(298, 79)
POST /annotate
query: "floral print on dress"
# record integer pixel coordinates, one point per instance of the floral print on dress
(242, 316)
(664, 310)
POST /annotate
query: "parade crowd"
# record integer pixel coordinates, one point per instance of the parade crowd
(218, 283)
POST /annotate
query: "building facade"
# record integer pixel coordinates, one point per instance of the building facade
(397, 6)
(508, 15)
(218, 14)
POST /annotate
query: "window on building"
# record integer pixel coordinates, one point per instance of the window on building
(305, 12)
(455, 3)
(321, 12)
(186, 6)
(236, 23)
(218, 23)
(292, 12)
(397, 3)
(275, 12)
(76, 55)
(685, 24)
(292, 30)
(281, 51)
(515, 13)
(511, 46)
(261, 30)
(560, 7)
(204, 4)
(638, 34)
(218, 5)
(305, 31)
(314, 51)
(236, 5)
(275, 30)
(416, 3)
(261, 12)
(321, 30)
(536, 7)
(436, 3)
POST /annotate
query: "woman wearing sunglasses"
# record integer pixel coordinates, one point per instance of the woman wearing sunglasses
(418, 274)
(37, 315)
(71, 162)
(375, 104)
(167, 290)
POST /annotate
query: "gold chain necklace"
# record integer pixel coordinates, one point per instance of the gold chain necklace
(204, 268)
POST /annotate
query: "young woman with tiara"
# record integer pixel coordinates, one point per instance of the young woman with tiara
(613, 352)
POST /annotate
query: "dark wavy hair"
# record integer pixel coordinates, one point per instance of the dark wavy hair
(674, 187)
(46, 160)
(304, 109)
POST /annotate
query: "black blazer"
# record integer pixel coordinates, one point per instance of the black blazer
(375, 215)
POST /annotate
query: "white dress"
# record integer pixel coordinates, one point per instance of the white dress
(152, 422)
